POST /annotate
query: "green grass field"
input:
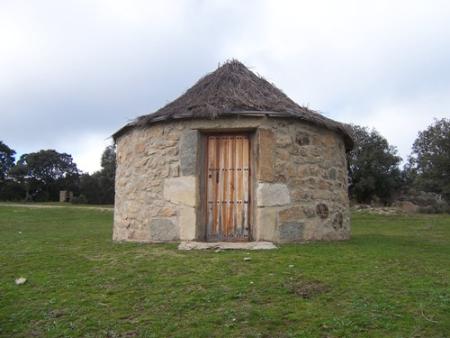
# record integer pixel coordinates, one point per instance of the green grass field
(390, 280)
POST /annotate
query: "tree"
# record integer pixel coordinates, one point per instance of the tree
(373, 167)
(90, 188)
(98, 188)
(109, 162)
(7, 160)
(18, 175)
(108, 175)
(9, 189)
(46, 172)
(429, 162)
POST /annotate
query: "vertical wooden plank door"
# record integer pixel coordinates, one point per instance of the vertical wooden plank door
(228, 187)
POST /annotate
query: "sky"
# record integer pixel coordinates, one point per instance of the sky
(74, 72)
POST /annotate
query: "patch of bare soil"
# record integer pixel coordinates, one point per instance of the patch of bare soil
(307, 289)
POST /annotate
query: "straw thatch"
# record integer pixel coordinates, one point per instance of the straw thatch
(233, 90)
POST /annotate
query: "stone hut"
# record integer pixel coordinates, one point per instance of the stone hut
(65, 196)
(232, 159)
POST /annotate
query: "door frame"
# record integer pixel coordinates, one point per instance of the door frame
(202, 212)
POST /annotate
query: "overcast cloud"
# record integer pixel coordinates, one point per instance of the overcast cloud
(73, 72)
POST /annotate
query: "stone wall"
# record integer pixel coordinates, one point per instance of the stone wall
(302, 187)
(300, 190)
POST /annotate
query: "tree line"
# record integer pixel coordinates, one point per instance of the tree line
(40, 176)
(375, 175)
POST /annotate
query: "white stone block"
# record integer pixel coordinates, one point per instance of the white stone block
(266, 220)
(187, 223)
(181, 190)
(272, 194)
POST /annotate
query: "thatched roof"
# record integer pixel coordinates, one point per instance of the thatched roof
(233, 90)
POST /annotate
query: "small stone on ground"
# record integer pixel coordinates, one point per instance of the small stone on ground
(20, 280)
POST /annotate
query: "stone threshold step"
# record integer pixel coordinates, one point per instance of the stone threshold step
(226, 245)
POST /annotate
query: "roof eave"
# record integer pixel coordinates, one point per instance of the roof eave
(327, 124)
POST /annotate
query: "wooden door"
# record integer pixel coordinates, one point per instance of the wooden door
(228, 187)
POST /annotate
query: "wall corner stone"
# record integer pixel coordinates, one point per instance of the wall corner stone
(181, 190)
(266, 220)
(272, 194)
(187, 223)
